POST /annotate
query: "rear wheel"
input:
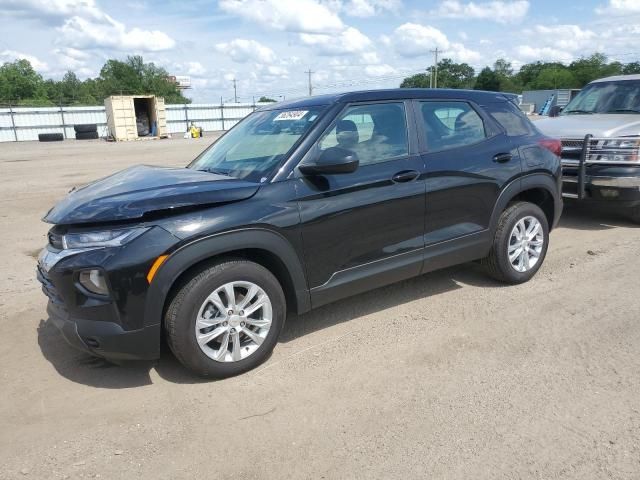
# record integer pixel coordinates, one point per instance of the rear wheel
(226, 319)
(519, 245)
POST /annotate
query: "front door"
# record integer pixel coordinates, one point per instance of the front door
(364, 229)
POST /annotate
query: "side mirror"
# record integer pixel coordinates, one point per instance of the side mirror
(334, 160)
(555, 111)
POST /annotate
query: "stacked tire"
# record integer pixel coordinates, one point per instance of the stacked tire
(87, 131)
(50, 137)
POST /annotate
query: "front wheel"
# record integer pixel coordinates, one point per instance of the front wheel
(226, 319)
(519, 245)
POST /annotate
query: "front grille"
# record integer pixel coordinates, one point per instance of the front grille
(55, 240)
(572, 148)
(48, 288)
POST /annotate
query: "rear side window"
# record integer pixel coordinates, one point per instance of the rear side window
(511, 118)
(451, 125)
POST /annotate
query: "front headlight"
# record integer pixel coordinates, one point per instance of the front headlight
(103, 238)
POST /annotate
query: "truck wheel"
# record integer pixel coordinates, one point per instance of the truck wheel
(519, 245)
(226, 319)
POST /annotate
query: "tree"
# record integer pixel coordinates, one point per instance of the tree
(133, 76)
(450, 75)
(591, 68)
(20, 82)
(455, 75)
(552, 78)
(265, 100)
(419, 80)
(529, 73)
(488, 80)
(631, 68)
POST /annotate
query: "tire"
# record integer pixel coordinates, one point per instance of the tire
(50, 137)
(497, 264)
(634, 214)
(87, 135)
(190, 300)
(86, 128)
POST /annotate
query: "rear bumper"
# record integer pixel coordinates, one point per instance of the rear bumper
(105, 339)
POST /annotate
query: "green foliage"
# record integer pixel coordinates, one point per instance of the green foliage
(19, 80)
(265, 100)
(488, 80)
(552, 78)
(22, 85)
(420, 80)
(450, 75)
(532, 76)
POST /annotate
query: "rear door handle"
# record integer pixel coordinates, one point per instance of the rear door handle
(405, 176)
(502, 157)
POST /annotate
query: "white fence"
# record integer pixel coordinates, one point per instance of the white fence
(25, 123)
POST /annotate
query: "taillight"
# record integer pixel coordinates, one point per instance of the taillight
(552, 144)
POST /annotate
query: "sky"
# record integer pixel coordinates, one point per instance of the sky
(268, 45)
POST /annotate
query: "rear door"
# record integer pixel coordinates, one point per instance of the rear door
(468, 159)
(364, 229)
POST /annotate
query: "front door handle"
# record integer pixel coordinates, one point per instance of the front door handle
(502, 157)
(405, 176)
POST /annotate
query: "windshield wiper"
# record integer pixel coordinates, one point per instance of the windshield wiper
(628, 110)
(215, 172)
(579, 111)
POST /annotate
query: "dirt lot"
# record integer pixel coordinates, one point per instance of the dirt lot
(445, 376)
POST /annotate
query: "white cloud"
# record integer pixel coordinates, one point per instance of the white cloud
(84, 25)
(620, 6)
(51, 9)
(36, 63)
(528, 53)
(82, 33)
(348, 42)
(303, 16)
(241, 50)
(498, 10)
(557, 43)
(363, 8)
(415, 40)
(195, 68)
(379, 70)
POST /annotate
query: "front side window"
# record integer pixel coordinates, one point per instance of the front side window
(258, 144)
(451, 125)
(374, 133)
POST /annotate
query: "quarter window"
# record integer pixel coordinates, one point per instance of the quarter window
(374, 133)
(511, 118)
(451, 125)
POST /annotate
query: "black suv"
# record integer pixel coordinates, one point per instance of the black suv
(378, 187)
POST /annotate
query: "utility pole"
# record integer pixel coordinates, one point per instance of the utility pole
(235, 92)
(435, 67)
(309, 72)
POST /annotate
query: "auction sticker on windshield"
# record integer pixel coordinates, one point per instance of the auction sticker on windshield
(291, 115)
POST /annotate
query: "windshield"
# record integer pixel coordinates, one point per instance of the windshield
(606, 97)
(256, 146)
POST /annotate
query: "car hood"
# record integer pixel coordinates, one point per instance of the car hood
(598, 125)
(142, 189)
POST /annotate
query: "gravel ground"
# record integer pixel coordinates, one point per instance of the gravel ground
(449, 375)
